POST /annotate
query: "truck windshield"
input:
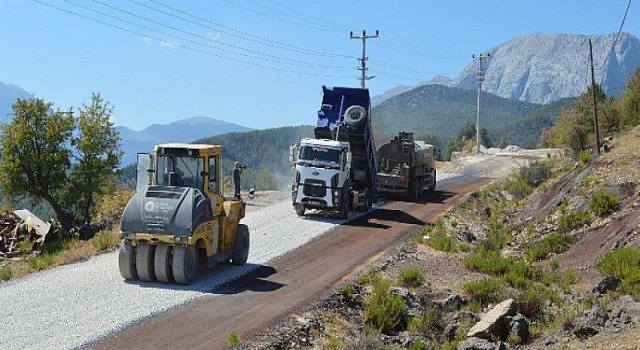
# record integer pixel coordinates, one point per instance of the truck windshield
(319, 154)
(188, 170)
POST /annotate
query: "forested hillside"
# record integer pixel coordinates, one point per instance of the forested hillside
(264, 152)
(443, 110)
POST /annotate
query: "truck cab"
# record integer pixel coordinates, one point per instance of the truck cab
(322, 167)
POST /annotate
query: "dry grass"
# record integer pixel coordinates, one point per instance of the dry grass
(70, 252)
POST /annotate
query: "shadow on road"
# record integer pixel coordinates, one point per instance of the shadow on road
(429, 197)
(255, 281)
(384, 215)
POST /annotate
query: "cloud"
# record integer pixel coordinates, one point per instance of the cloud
(213, 35)
(169, 44)
(146, 40)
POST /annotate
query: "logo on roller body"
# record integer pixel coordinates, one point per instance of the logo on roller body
(149, 206)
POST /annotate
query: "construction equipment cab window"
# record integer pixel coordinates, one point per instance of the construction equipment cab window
(185, 171)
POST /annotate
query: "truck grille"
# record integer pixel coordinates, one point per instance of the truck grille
(314, 188)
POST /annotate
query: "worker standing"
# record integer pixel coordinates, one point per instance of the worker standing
(237, 170)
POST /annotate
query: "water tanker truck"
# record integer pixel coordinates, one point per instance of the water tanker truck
(406, 167)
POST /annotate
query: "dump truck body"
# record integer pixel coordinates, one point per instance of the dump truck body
(337, 169)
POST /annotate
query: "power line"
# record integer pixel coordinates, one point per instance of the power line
(615, 41)
(266, 57)
(234, 32)
(193, 49)
(302, 24)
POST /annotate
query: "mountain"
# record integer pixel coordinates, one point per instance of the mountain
(8, 95)
(186, 130)
(442, 110)
(436, 80)
(542, 68)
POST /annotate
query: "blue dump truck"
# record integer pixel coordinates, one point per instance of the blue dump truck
(337, 170)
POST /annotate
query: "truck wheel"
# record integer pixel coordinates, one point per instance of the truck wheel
(144, 262)
(185, 264)
(241, 246)
(299, 209)
(162, 264)
(127, 261)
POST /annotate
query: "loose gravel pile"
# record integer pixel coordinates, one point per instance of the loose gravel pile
(73, 305)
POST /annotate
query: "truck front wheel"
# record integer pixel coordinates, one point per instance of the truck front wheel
(299, 209)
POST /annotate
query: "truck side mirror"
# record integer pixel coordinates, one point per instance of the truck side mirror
(292, 152)
(348, 164)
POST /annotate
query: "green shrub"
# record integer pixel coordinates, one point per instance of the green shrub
(443, 242)
(623, 263)
(385, 312)
(536, 173)
(5, 273)
(347, 291)
(426, 324)
(552, 243)
(334, 343)
(105, 240)
(604, 203)
(517, 187)
(518, 273)
(584, 157)
(572, 221)
(485, 291)
(411, 277)
(233, 339)
(530, 302)
(489, 262)
(370, 277)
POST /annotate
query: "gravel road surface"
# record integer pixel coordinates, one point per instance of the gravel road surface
(71, 306)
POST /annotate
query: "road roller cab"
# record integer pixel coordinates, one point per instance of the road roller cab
(178, 218)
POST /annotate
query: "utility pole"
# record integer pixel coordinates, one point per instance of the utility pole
(480, 77)
(593, 92)
(364, 58)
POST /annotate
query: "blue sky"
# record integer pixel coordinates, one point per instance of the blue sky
(260, 63)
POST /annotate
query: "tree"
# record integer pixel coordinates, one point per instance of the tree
(630, 101)
(98, 155)
(484, 137)
(36, 149)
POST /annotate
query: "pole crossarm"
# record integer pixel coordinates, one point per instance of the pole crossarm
(363, 60)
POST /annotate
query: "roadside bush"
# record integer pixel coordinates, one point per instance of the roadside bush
(623, 263)
(385, 312)
(5, 273)
(233, 339)
(484, 292)
(105, 240)
(109, 211)
(604, 203)
(517, 187)
(443, 242)
(347, 291)
(411, 277)
(573, 220)
(366, 341)
(584, 157)
(531, 302)
(518, 273)
(426, 324)
(489, 262)
(552, 243)
(536, 173)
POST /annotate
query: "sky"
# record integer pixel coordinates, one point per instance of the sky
(261, 63)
